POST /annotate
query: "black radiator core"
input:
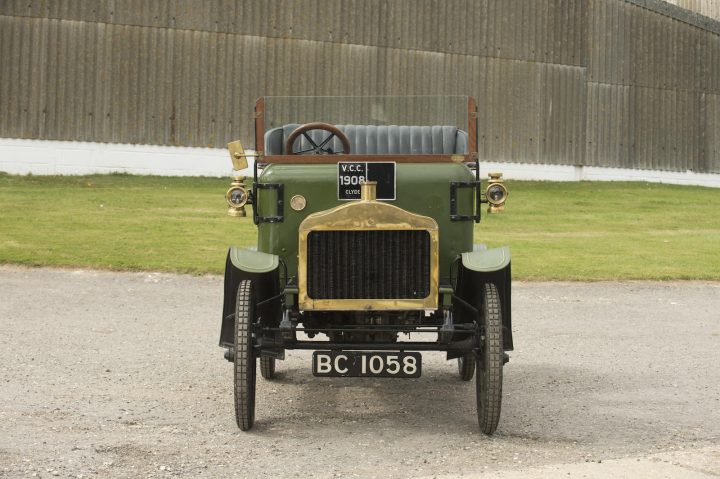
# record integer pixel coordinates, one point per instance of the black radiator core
(368, 264)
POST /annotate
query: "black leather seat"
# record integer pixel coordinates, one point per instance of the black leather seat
(378, 140)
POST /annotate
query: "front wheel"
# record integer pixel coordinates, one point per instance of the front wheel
(488, 377)
(466, 367)
(267, 367)
(245, 359)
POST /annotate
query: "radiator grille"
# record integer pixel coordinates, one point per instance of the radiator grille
(368, 264)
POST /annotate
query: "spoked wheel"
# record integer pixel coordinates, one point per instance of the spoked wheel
(267, 367)
(488, 378)
(245, 360)
(466, 367)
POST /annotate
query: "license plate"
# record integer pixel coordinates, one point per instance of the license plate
(360, 364)
(351, 174)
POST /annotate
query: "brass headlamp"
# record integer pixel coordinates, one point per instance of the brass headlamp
(237, 196)
(496, 193)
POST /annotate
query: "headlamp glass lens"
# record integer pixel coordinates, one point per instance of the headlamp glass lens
(237, 196)
(496, 193)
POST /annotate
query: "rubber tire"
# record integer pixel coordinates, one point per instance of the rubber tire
(466, 367)
(267, 367)
(245, 360)
(488, 376)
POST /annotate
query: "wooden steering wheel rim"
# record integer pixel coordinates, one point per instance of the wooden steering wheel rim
(337, 132)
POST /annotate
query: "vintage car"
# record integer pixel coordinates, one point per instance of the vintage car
(365, 208)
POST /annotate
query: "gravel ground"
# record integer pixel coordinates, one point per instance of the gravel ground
(118, 375)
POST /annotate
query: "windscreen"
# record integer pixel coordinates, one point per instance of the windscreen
(367, 110)
(445, 115)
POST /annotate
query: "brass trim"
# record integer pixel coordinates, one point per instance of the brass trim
(366, 215)
(239, 156)
(493, 201)
(237, 210)
(368, 190)
(496, 206)
(298, 202)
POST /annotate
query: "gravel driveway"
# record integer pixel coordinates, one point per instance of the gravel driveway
(119, 375)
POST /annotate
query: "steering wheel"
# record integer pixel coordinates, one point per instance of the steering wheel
(322, 147)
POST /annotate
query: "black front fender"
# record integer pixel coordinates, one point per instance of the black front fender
(477, 268)
(263, 270)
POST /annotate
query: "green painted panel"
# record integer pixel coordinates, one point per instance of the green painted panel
(422, 188)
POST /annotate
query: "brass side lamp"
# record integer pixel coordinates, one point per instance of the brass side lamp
(496, 193)
(237, 196)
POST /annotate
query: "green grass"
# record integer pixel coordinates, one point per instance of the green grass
(118, 222)
(608, 231)
(558, 231)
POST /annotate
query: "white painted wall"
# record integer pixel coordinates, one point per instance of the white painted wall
(524, 171)
(40, 157)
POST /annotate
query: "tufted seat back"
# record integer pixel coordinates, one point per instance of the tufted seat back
(378, 140)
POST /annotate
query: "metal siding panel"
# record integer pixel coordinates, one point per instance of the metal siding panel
(12, 8)
(162, 98)
(612, 53)
(6, 69)
(50, 78)
(617, 138)
(196, 87)
(6, 72)
(135, 77)
(24, 75)
(118, 84)
(179, 90)
(205, 120)
(103, 66)
(76, 86)
(245, 86)
(226, 16)
(595, 59)
(564, 118)
(552, 26)
(664, 121)
(709, 8)
(15, 78)
(713, 60)
(712, 133)
(126, 103)
(87, 59)
(170, 80)
(220, 99)
(582, 17)
(37, 78)
(230, 100)
(639, 125)
(153, 47)
(510, 117)
(58, 126)
(193, 106)
(306, 19)
(143, 72)
(694, 138)
(593, 133)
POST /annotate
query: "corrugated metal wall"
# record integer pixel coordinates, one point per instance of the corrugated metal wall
(624, 83)
(709, 8)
